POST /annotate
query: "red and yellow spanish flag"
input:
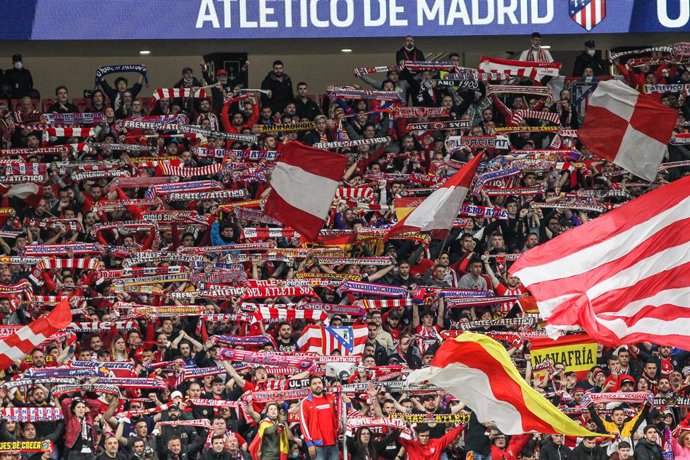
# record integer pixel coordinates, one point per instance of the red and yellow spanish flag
(478, 371)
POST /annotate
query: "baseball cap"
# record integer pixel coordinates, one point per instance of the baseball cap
(590, 44)
(176, 394)
(627, 379)
(221, 72)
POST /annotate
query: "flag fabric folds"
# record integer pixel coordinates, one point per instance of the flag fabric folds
(440, 209)
(304, 182)
(19, 344)
(623, 277)
(478, 371)
(628, 128)
(323, 340)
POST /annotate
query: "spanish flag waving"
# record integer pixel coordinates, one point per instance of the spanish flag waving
(268, 426)
(478, 371)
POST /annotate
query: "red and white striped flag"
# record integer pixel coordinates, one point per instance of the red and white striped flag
(19, 344)
(323, 340)
(304, 182)
(171, 93)
(532, 70)
(623, 277)
(439, 210)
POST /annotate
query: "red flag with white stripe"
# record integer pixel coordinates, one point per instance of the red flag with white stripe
(323, 340)
(440, 209)
(304, 182)
(623, 277)
(19, 344)
(628, 128)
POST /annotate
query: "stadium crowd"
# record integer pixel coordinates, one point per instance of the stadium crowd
(145, 214)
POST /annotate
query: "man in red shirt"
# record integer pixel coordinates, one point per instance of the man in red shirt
(425, 448)
(319, 421)
(512, 287)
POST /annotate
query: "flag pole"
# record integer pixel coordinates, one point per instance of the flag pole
(343, 408)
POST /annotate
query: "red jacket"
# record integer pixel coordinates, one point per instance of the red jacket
(72, 424)
(319, 421)
(512, 450)
(433, 449)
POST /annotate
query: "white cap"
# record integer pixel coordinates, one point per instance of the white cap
(176, 394)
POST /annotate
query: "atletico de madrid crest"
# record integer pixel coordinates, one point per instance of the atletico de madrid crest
(587, 13)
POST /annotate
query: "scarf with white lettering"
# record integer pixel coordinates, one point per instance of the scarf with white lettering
(102, 71)
(31, 414)
(270, 359)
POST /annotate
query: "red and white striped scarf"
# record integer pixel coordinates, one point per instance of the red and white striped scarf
(529, 69)
(378, 304)
(276, 315)
(196, 423)
(269, 232)
(72, 264)
(207, 170)
(358, 193)
(171, 93)
(68, 132)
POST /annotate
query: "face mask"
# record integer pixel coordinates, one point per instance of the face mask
(591, 52)
(409, 48)
(18, 65)
(535, 48)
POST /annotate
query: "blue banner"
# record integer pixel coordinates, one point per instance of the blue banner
(247, 19)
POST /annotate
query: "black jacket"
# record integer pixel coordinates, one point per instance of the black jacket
(191, 441)
(313, 137)
(213, 455)
(113, 93)
(646, 450)
(585, 453)
(403, 55)
(281, 92)
(307, 109)
(70, 108)
(476, 439)
(583, 61)
(551, 451)
(20, 82)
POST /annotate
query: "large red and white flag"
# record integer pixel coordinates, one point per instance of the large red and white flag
(628, 128)
(323, 340)
(440, 209)
(304, 182)
(623, 277)
(513, 68)
(19, 344)
(478, 371)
